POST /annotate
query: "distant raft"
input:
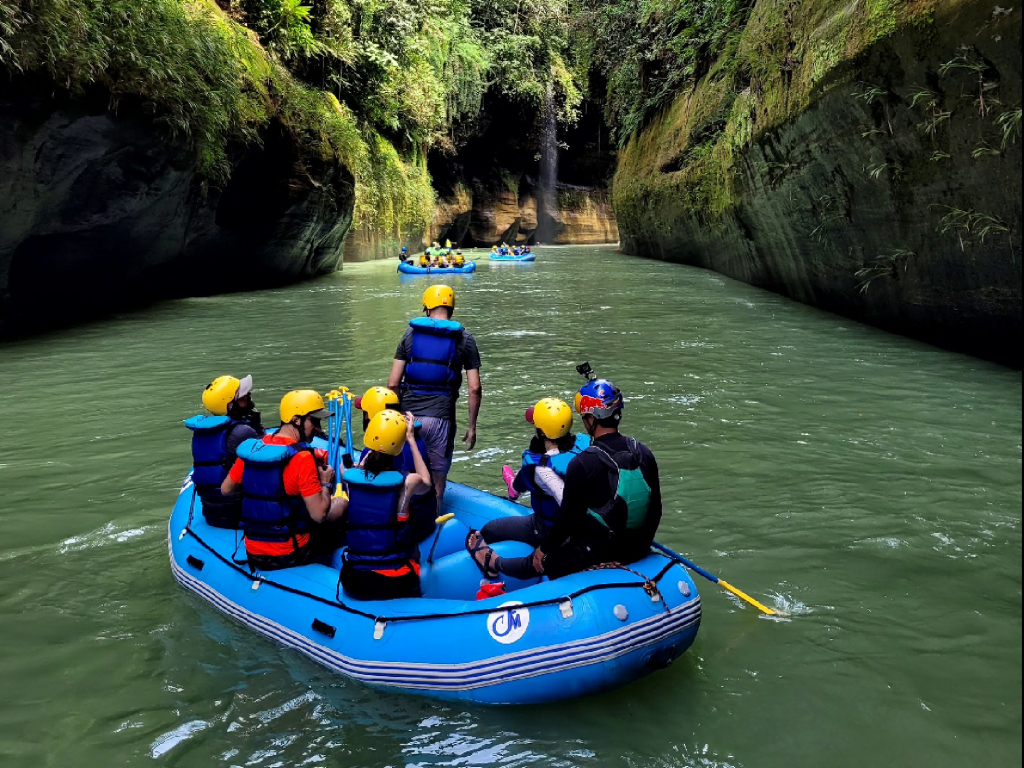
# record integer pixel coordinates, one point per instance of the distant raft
(512, 257)
(542, 641)
(411, 269)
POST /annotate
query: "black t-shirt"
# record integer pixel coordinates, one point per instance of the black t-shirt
(590, 484)
(439, 405)
(238, 434)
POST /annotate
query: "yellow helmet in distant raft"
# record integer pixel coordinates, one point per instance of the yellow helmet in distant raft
(386, 433)
(303, 402)
(219, 393)
(376, 400)
(439, 296)
(553, 417)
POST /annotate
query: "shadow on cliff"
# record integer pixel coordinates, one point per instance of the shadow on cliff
(102, 211)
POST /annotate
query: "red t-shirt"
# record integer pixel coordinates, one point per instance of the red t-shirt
(300, 479)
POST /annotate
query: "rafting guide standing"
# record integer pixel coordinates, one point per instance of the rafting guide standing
(427, 374)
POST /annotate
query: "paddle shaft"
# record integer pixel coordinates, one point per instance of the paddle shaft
(714, 579)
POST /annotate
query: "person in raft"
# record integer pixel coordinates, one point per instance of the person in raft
(380, 561)
(215, 441)
(424, 260)
(286, 489)
(611, 499)
(427, 374)
(422, 505)
(542, 476)
(460, 260)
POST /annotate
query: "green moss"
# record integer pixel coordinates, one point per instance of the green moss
(682, 162)
(199, 74)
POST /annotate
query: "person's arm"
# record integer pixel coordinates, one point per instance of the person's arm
(654, 510)
(573, 507)
(549, 481)
(397, 370)
(318, 504)
(475, 395)
(401, 357)
(233, 482)
(418, 481)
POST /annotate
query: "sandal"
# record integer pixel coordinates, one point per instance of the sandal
(509, 477)
(485, 567)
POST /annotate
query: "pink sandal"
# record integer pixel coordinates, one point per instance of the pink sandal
(509, 477)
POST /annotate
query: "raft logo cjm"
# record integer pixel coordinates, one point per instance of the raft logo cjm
(509, 623)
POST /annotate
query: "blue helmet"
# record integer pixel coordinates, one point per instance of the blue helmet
(600, 398)
(404, 249)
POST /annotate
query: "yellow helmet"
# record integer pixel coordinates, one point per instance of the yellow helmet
(219, 393)
(552, 417)
(439, 296)
(303, 402)
(376, 400)
(386, 433)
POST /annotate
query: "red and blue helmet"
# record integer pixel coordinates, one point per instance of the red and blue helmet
(600, 398)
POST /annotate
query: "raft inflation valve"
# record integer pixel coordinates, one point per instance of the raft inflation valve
(378, 629)
(566, 608)
(621, 613)
(181, 535)
(684, 588)
(256, 585)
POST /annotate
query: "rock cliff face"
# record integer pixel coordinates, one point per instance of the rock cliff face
(99, 210)
(863, 157)
(485, 217)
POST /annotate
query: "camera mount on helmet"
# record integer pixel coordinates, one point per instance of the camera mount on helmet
(584, 370)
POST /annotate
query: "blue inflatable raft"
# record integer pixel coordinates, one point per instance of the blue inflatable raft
(539, 642)
(513, 257)
(411, 269)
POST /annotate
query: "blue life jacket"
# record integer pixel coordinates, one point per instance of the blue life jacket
(434, 365)
(422, 508)
(268, 513)
(377, 539)
(211, 462)
(545, 508)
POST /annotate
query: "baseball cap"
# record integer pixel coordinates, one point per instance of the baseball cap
(244, 387)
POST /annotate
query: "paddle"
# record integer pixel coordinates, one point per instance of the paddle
(437, 535)
(711, 577)
(348, 425)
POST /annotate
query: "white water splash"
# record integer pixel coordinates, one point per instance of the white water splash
(108, 534)
(173, 738)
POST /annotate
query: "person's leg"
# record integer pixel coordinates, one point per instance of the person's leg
(490, 562)
(512, 528)
(439, 438)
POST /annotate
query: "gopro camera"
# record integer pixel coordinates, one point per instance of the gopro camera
(584, 370)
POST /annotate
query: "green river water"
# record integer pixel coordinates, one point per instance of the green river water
(867, 484)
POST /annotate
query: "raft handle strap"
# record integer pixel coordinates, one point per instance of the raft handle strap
(429, 616)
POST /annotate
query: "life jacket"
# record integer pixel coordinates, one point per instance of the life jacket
(627, 510)
(268, 512)
(210, 465)
(377, 539)
(434, 365)
(545, 508)
(423, 507)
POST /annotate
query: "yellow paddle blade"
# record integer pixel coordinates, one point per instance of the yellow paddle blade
(744, 596)
(339, 493)
(444, 518)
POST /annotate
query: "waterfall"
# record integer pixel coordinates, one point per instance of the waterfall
(547, 207)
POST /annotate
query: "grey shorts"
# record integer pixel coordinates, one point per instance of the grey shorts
(439, 437)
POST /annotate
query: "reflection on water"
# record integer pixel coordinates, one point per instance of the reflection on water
(867, 485)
